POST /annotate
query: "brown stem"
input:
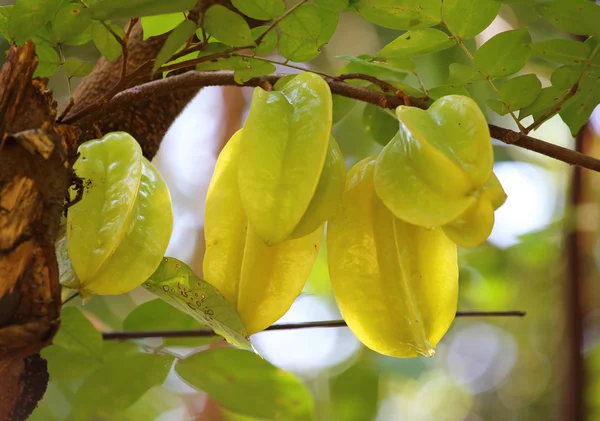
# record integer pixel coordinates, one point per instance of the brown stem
(574, 388)
(287, 326)
(195, 79)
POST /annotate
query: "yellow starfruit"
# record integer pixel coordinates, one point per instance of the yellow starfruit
(396, 284)
(260, 281)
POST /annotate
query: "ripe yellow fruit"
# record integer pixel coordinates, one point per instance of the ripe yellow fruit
(396, 284)
(260, 281)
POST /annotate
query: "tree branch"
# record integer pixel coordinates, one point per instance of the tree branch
(194, 79)
(288, 326)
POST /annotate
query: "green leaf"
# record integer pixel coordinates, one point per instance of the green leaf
(119, 383)
(303, 23)
(161, 24)
(520, 91)
(77, 68)
(565, 76)
(48, 60)
(105, 42)
(4, 16)
(70, 21)
(252, 68)
(82, 38)
(260, 9)
(113, 9)
(440, 91)
(297, 49)
(416, 43)
(174, 42)
(505, 53)
(341, 107)
(459, 75)
(175, 283)
(268, 43)
(576, 112)
(329, 21)
(27, 17)
(561, 50)
(227, 26)
(547, 99)
(65, 365)
(243, 382)
(159, 315)
(401, 14)
(408, 90)
(380, 125)
(384, 69)
(575, 16)
(77, 334)
(467, 18)
(334, 5)
(497, 106)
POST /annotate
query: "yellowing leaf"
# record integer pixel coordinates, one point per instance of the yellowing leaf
(396, 284)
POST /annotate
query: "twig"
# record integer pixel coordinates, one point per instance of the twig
(288, 326)
(196, 79)
(70, 298)
(383, 85)
(286, 64)
(125, 50)
(115, 35)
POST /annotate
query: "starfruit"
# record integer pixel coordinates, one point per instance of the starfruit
(283, 150)
(474, 225)
(436, 166)
(260, 281)
(118, 232)
(396, 283)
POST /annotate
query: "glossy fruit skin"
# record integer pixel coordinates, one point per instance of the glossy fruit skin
(260, 281)
(118, 233)
(283, 150)
(396, 284)
(329, 192)
(433, 169)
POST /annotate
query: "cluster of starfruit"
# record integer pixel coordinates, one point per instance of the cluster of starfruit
(393, 223)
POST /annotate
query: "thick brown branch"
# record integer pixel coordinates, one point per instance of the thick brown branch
(288, 326)
(194, 80)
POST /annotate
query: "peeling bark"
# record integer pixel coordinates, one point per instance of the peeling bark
(34, 177)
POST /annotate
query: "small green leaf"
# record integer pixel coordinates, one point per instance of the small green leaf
(386, 69)
(105, 42)
(547, 99)
(268, 43)
(333, 5)
(48, 60)
(575, 16)
(77, 68)
(27, 17)
(520, 91)
(252, 68)
(161, 24)
(159, 315)
(243, 382)
(119, 383)
(66, 365)
(260, 9)
(565, 76)
(4, 16)
(497, 106)
(467, 18)
(227, 26)
(341, 107)
(82, 38)
(329, 22)
(440, 91)
(303, 23)
(578, 109)
(561, 50)
(401, 14)
(459, 75)
(297, 49)
(505, 53)
(174, 42)
(113, 9)
(77, 334)
(70, 21)
(416, 43)
(380, 125)
(175, 283)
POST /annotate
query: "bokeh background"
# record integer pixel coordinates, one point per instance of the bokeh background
(484, 368)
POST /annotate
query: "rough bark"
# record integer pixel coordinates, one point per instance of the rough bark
(34, 177)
